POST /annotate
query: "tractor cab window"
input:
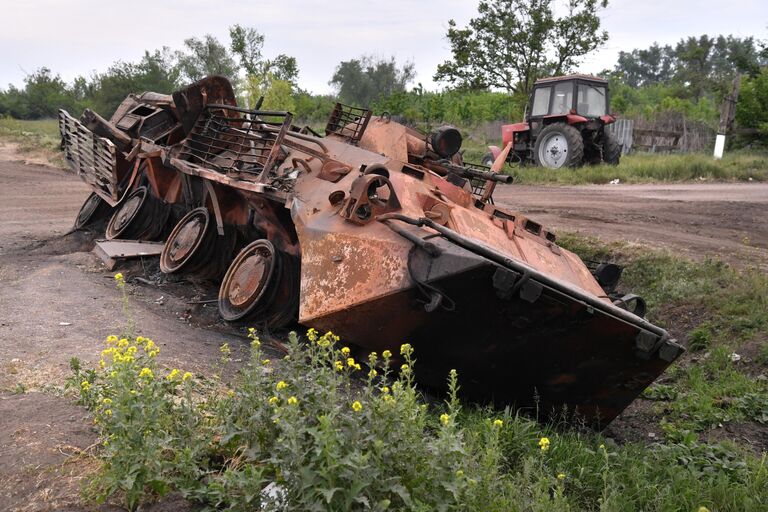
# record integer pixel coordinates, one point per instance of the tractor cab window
(563, 100)
(591, 100)
(541, 101)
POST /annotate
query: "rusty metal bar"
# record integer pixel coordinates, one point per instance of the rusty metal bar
(523, 268)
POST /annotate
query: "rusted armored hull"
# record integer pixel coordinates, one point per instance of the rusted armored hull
(544, 346)
(376, 232)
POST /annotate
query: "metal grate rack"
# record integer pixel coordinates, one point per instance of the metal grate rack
(348, 122)
(236, 140)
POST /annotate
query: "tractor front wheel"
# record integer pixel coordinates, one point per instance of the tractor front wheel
(611, 149)
(559, 145)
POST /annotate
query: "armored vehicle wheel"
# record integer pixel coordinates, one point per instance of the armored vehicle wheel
(611, 149)
(261, 284)
(559, 145)
(93, 210)
(140, 217)
(194, 246)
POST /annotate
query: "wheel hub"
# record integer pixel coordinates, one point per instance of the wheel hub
(554, 151)
(186, 239)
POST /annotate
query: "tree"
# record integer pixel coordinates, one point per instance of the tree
(513, 42)
(247, 43)
(364, 80)
(205, 57)
(156, 71)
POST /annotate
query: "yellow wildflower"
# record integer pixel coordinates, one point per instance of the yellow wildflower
(111, 339)
(498, 423)
(323, 342)
(140, 340)
(345, 351)
(108, 412)
(146, 372)
(459, 473)
(405, 349)
(123, 342)
(544, 444)
(312, 334)
(357, 406)
(85, 385)
(281, 385)
(174, 373)
(445, 419)
(149, 346)
(602, 447)
(372, 373)
(265, 362)
(357, 366)
(386, 354)
(561, 476)
(387, 398)
(385, 390)
(113, 374)
(273, 401)
(102, 364)
(153, 353)
(225, 350)
(186, 376)
(131, 350)
(405, 368)
(107, 401)
(231, 393)
(338, 365)
(351, 361)
(292, 400)
(119, 277)
(703, 509)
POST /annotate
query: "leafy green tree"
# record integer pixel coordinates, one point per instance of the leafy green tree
(366, 79)
(156, 71)
(247, 43)
(45, 94)
(752, 108)
(644, 67)
(512, 42)
(205, 57)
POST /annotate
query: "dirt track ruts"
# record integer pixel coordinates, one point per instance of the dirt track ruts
(720, 220)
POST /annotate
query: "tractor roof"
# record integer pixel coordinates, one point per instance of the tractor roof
(564, 78)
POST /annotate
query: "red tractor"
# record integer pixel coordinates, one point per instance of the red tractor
(564, 125)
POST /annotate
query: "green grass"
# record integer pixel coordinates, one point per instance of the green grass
(730, 307)
(33, 136)
(644, 168)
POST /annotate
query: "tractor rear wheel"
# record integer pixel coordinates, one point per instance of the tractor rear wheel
(611, 149)
(559, 145)
(488, 159)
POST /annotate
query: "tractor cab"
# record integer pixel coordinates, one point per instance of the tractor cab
(573, 95)
(564, 125)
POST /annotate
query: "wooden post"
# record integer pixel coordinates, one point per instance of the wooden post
(727, 115)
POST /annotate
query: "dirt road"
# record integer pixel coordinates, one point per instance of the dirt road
(725, 220)
(58, 302)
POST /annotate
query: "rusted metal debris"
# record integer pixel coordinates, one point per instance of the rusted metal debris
(111, 251)
(375, 231)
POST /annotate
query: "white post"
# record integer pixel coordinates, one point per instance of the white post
(719, 146)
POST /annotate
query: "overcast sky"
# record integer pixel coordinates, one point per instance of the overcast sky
(78, 37)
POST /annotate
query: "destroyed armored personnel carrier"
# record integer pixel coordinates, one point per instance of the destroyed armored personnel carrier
(374, 231)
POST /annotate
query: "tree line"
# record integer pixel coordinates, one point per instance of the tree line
(495, 59)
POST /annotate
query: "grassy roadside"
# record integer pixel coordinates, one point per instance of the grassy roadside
(36, 139)
(327, 432)
(643, 168)
(720, 314)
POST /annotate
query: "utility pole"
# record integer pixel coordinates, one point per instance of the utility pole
(727, 115)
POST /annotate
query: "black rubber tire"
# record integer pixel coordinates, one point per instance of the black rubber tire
(572, 136)
(487, 159)
(611, 149)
